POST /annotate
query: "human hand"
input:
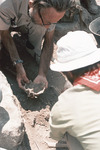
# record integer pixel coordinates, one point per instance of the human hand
(33, 90)
(21, 76)
(37, 87)
(41, 79)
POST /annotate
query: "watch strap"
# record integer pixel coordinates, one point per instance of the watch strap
(18, 61)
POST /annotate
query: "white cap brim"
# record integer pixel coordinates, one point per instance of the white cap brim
(77, 63)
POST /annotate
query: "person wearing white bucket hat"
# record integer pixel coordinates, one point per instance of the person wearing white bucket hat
(74, 51)
(76, 114)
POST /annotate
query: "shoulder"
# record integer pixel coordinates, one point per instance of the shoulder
(10, 4)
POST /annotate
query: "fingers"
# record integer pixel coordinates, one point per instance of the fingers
(40, 79)
(20, 84)
(46, 85)
(39, 85)
(26, 80)
(21, 81)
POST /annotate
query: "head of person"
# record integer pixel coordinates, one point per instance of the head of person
(77, 54)
(47, 12)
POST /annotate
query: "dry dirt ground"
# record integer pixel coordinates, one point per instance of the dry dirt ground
(36, 111)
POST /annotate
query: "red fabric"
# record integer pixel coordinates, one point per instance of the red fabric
(90, 79)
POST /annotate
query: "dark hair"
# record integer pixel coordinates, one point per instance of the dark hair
(72, 75)
(83, 70)
(59, 5)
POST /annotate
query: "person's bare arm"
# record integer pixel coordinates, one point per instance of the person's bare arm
(9, 44)
(46, 55)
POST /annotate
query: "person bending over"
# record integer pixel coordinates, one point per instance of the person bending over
(37, 19)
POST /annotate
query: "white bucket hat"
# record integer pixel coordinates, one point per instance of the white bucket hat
(76, 49)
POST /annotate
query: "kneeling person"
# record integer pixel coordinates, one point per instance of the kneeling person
(77, 112)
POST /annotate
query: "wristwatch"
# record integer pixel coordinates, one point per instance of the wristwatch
(17, 62)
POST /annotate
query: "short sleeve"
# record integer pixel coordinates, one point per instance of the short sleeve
(6, 13)
(4, 22)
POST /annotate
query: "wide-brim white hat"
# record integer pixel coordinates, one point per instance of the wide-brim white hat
(76, 50)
